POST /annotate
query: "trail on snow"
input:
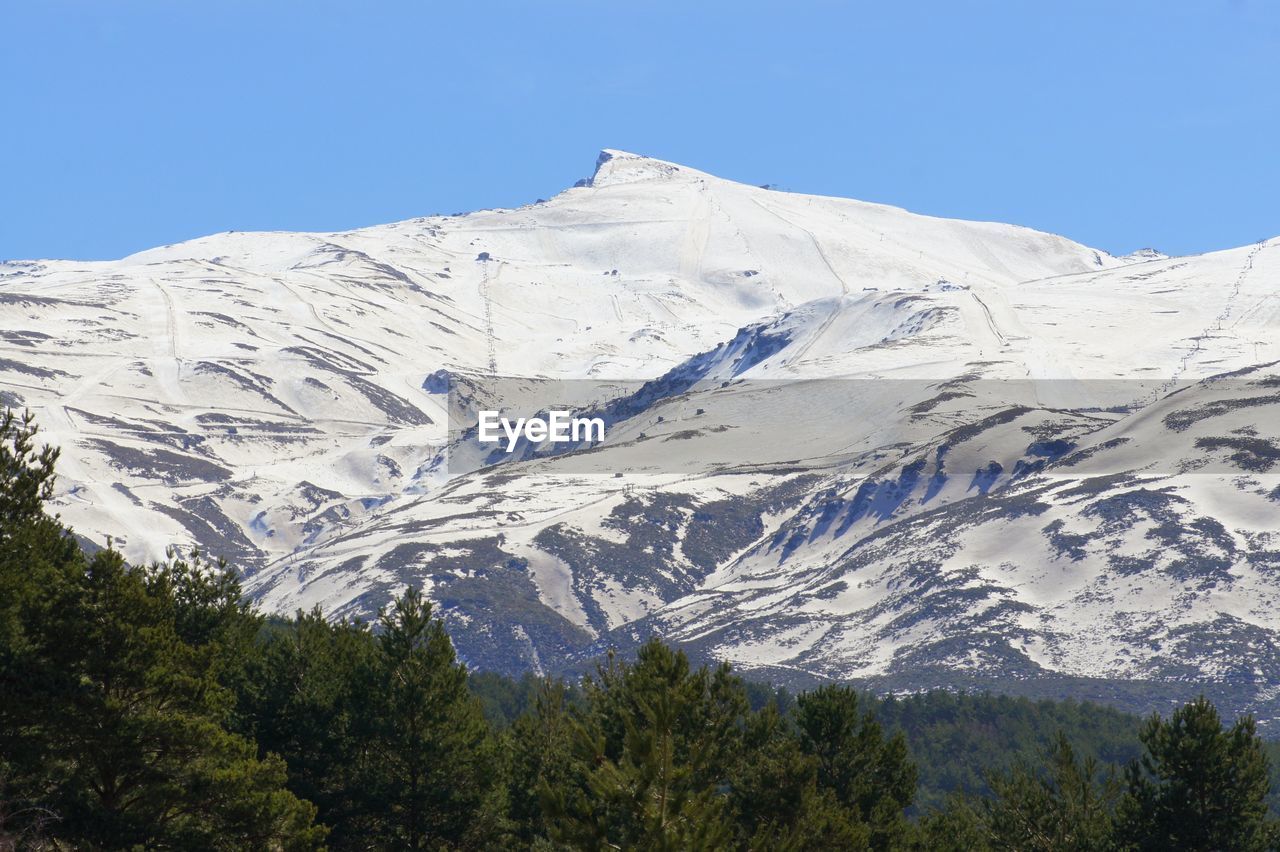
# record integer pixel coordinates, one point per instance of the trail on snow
(804, 347)
(491, 343)
(1198, 340)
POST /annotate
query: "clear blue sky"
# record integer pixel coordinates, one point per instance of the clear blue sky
(133, 123)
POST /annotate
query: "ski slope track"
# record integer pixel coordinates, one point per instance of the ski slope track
(1071, 485)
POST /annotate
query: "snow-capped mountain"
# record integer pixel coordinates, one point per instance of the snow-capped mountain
(845, 440)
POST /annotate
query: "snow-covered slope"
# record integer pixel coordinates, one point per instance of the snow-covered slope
(845, 440)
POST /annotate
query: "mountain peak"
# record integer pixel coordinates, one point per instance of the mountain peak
(1143, 254)
(614, 167)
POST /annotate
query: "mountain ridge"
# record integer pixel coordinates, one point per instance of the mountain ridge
(270, 397)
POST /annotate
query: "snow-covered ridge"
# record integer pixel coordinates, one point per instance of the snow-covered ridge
(273, 397)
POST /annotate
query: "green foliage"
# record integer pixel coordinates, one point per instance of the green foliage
(958, 741)
(152, 707)
(114, 707)
(956, 826)
(27, 475)
(649, 755)
(504, 700)
(137, 720)
(40, 566)
(428, 758)
(661, 755)
(777, 797)
(39, 569)
(1066, 804)
(865, 772)
(539, 749)
(1198, 787)
(378, 729)
(301, 699)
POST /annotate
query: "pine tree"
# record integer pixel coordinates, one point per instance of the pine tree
(867, 772)
(302, 699)
(1198, 786)
(26, 477)
(141, 730)
(112, 713)
(39, 567)
(429, 762)
(652, 752)
(955, 826)
(776, 797)
(539, 748)
(1067, 806)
